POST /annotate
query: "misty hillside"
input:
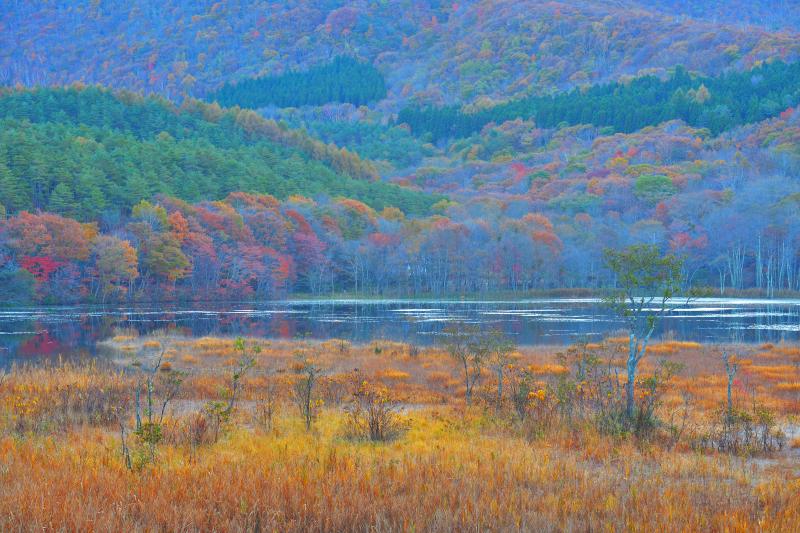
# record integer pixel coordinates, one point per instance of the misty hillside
(438, 52)
(510, 141)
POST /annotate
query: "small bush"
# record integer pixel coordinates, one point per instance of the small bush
(744, 432)
(373, 414)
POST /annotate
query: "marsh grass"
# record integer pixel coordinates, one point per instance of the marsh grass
(397, 448)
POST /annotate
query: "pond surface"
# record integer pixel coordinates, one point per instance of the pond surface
(40, 332)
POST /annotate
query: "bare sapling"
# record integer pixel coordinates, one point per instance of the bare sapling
(304, 389)
(731, 368)
(462, 343)
(500, 349)
(149, 421)
(219, 412)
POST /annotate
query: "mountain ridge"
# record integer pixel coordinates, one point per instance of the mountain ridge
(432, 52)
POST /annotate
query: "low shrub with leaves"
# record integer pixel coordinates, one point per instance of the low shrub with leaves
(372, 413)
(743, 431)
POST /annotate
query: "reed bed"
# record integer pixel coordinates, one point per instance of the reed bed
(452, 467)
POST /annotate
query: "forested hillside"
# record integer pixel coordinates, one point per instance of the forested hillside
(536, 208)
(716, 103)
(536, 213)
(776, 14)
(343, 80)
(393, 148)
(429, 51)
(89, 152)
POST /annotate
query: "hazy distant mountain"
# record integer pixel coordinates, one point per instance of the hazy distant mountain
(432, 51)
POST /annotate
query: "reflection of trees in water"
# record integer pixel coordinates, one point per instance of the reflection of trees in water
(39, 344)
(79, 328)
(736, 334)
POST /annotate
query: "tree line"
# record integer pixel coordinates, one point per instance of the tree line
(344, 80)
(255, 246)
(717, 103)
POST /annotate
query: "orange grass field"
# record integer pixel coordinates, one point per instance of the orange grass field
(452, 468)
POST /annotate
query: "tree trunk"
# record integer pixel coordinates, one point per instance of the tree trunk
(635, 354)
(138, 409)
(629, 389)
(759, 265)
(730, 397)
(468, 391)
(499, 385)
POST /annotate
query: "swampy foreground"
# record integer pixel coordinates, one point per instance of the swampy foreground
(182, 434)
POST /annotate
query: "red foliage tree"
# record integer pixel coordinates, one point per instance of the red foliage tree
(40, 267)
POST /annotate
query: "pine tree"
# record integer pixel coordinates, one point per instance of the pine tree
(62, 201)
(12, 191)
(136, 189)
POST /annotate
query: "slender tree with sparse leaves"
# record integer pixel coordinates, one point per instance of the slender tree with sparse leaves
(647, 282)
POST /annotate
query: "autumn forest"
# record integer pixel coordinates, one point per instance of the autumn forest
(335, 176)
(413, 265)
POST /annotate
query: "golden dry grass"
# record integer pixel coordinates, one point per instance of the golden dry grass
(446, 474)
(456, 468)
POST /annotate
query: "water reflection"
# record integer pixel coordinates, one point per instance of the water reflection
(49, 331)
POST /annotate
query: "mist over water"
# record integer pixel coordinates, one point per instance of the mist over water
(43, 332)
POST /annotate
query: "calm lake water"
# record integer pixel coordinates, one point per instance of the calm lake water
(38, 332)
